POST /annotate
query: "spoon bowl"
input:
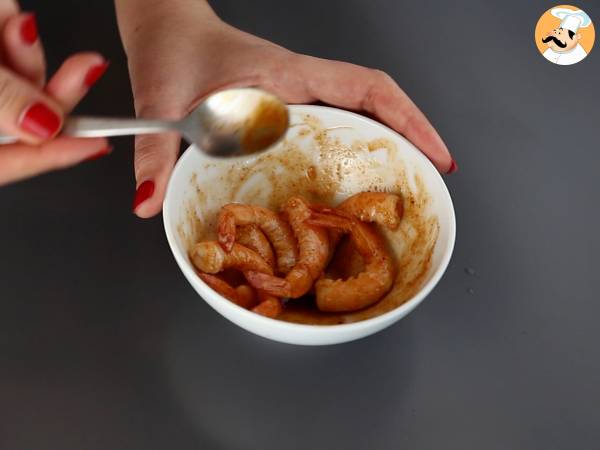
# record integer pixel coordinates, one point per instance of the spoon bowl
(236, 122)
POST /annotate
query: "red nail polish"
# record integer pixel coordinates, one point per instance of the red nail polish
(29, 32)
(102, 153)
(40, 120)
(453, 168)
(94, 74)
(143, 193)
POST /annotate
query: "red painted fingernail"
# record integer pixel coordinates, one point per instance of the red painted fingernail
(29, 32)
(40, 120)
(453, 168)
(95, 73)
(101, 154)
(143, 193)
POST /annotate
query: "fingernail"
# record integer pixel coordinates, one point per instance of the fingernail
(101, 154)
(143, 193)
(95, 73)
(40, 120)
(453, 168)
(29, 32)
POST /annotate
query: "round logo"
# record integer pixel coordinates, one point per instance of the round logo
(565, 35)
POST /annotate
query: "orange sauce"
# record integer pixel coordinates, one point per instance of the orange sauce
(265, 127)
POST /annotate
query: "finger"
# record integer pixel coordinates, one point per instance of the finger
(75, 77)
(155, 156)
(8, 8)
(157, 96)
(20, 161)
(26, 112)
(23, 51)
(355, 87)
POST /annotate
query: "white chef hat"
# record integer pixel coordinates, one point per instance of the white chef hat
(570, 19)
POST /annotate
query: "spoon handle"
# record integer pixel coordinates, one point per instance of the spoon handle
(102, 126)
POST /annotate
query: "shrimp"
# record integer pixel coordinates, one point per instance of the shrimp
(245, 296)
(274, 227)
(242, 295)
(269, 306)
(313, 248)
(368, 286)
(209, 257)
(346, 261)
(379, 207)
(250, 236)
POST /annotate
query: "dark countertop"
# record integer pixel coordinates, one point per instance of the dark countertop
(104, 345)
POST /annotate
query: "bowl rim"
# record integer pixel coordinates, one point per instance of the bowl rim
(400, 311)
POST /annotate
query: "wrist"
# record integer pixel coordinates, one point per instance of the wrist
(138, 18)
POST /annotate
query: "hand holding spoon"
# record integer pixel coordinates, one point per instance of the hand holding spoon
(232, 122)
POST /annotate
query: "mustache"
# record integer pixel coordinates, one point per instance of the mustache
(556, 41)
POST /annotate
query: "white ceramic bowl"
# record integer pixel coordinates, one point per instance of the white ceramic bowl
(199, 186)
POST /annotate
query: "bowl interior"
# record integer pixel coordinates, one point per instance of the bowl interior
(328, 155)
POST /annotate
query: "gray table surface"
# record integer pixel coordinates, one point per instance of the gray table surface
(104, 345)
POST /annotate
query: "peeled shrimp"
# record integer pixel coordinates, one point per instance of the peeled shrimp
(245, 296)
(242, 295)
(250, 236)
(346, 261)
(209, 257)
(368, 286)
(269, 306)
(379, 207)
(313, 249)
(274, 227)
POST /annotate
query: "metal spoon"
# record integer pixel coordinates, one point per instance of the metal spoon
(232, 122)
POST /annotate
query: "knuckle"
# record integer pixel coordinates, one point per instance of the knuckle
(282, 73)
(381, 88)
(146, 149)
(382, 77)
(151, 155)
(9, 94)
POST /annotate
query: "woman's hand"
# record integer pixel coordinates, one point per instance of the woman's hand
(32, 110)
(179, 51)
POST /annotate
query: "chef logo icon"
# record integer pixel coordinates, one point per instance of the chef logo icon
(564, 35)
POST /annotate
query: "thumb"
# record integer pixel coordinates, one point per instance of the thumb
(155, 156)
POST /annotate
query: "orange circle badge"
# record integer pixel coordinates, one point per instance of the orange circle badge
(565, 35)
